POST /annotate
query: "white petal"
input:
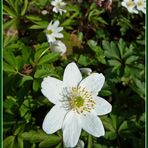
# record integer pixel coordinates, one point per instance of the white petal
(54, 120)
(59, 29)
(92, 124)
(71, 129)
(93, 83)
(58, 47)
(56, 23)
(55, 10)
(60, 10)
(72, 75)
(102, 106)
(53, 3)
(52, 88)
(63, 3)
(50, 38)
(58, 35)
(143, 10)
(50, 26)
(123, 4)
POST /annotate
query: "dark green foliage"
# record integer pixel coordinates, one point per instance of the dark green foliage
(112, 43)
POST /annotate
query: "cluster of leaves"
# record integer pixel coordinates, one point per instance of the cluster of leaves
(111, 43)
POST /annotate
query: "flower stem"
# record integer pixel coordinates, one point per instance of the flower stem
(89, 141)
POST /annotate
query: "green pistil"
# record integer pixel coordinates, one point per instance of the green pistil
(49, 32)
(78, 101)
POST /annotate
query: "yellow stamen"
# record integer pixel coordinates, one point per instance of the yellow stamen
(80, 100)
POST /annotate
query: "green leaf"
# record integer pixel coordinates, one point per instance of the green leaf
(9, 103)
(36, 85)
(52, 140)
(41, 49)
(33, 17)
(24, 9)
(19, 130)
(49, 58)
(110, 135)
(7, 24)
(114, 63)
(10, 58)
(93, 45)
(131, 59)
(107, 122)
(9, 11)
(19, 63)
(111, 50)
(114, 119)
(25, 78)
(123, 126)
(38, 27)
(9, 40)
(26, 52)
(34, 136)
(8, 68)
(43, 71)
(122, 47)
(9, 142)
(97, 49)
(86, 61)
(40, 136)
(20, 142)
(59, 145)
(105, 93)
(17, 6)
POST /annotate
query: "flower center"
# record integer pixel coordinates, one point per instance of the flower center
(140, 3)
(58, 4)
(130, 3)
(49, 32)
(78, 99)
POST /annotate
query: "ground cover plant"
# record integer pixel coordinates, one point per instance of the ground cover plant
(41, 38)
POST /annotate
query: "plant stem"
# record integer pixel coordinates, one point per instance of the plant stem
(89, 141)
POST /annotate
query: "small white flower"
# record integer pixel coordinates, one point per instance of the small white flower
(86, 71)
(58, 46)
(130, 5)
(59, 6)
(76, 104)
(141, 5)
(53, 31)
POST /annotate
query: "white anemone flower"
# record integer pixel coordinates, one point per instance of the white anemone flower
(130, 5)
(53, 31)
(59, 6)
(58, 46)
(76, 104)
(141, 5)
